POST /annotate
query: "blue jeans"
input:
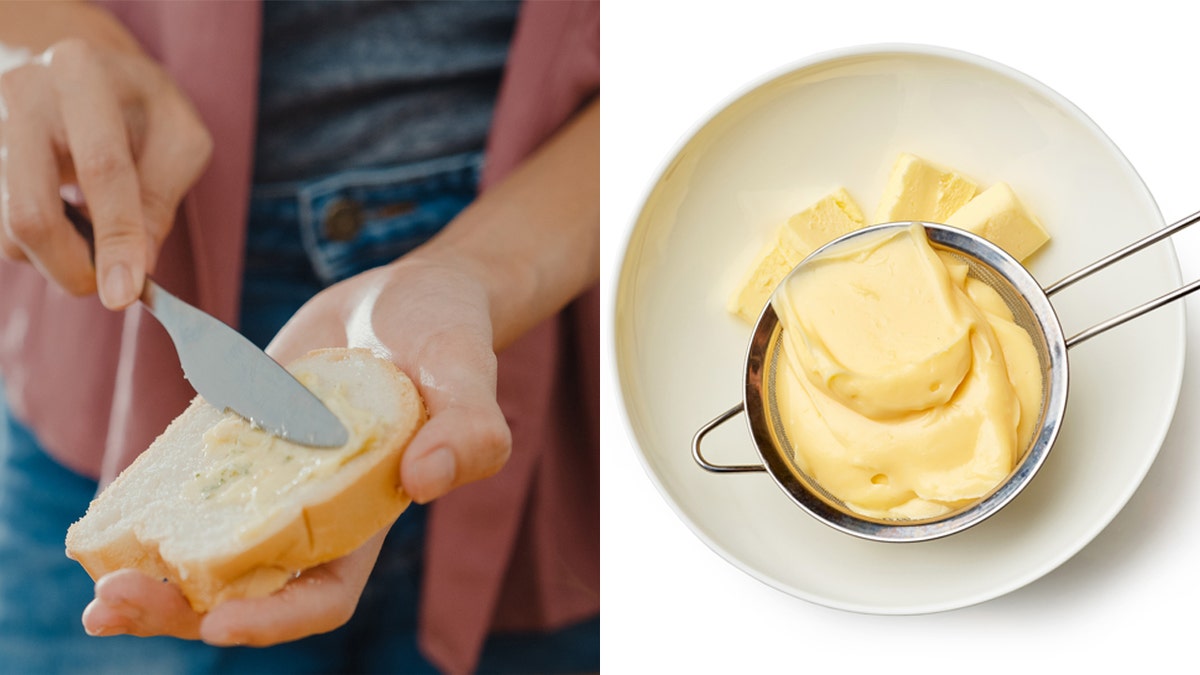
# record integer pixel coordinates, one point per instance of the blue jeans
(295, 247)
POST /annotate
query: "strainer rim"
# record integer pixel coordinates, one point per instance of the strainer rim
(1055, 382)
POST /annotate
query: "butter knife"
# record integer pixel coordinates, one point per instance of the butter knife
(229, 371)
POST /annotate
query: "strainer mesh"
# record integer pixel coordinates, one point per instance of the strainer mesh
(1023, 316)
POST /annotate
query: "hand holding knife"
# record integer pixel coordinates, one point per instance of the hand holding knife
(229, 371)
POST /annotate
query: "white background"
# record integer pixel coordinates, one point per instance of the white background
(1127, 600)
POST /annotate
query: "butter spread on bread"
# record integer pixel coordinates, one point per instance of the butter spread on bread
(281, 508)
(251, 467)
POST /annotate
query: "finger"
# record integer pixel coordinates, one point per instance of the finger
(99, 144)
(320, 600)
(466, 442)
(8, 248)
(309, 328)
(130, 602)
(175, 149)
(33, 223)
(100, 619)
(467, 437)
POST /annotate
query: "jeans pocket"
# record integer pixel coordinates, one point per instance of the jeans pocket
(361, 219)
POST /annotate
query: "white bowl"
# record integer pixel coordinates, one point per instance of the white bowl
(841, 119)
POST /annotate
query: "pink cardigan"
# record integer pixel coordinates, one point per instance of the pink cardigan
(518, 551)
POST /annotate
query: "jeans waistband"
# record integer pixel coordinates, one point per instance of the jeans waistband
(344, 223)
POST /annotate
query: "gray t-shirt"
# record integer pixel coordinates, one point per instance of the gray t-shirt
(355, 84)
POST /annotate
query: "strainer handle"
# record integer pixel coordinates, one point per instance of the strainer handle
(1134, 313)
(713, 424)
(1123, 253)
(1115, 256)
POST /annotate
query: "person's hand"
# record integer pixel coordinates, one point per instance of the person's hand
(432, 318)
(94, 114)
(320, 600)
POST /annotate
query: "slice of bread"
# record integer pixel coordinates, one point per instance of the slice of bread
(226, 511)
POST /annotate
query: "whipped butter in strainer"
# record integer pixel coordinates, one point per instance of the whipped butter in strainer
(903, 386)
(909, 401)
(774, 383)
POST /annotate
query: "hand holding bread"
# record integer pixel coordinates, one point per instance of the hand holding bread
(433, 321)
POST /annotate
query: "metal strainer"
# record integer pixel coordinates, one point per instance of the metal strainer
(1032, 311)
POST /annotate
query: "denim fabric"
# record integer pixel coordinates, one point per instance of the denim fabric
(289, 239)
(289, 258)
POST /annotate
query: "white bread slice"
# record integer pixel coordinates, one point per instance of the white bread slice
(159, 516)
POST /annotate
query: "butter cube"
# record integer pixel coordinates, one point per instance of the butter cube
(755, 291)
(998, 216)
(918, 189)
(831, 217)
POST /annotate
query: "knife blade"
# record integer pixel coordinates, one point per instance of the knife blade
(230, 371)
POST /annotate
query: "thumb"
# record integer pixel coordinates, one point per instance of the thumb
(308, 329)
(466, 441)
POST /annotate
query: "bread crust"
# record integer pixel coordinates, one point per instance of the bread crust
(311, 533)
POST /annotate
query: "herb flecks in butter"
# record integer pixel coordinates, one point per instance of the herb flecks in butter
(248, 466)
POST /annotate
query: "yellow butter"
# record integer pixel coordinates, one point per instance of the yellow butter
(831, 217)
(997, 215)
(906, 390)
(918, 189)
(250, 468)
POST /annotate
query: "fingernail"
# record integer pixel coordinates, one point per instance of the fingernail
(432, 475)
(118, 286)
(107, 629)
(100, 619)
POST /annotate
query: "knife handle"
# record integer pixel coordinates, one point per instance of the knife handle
(83, 226)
